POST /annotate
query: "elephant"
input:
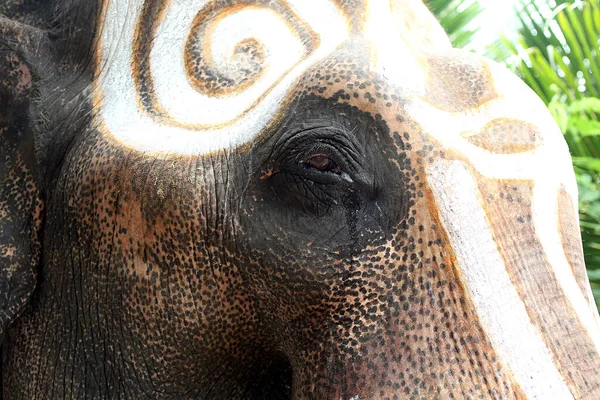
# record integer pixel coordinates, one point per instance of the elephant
(274, 199)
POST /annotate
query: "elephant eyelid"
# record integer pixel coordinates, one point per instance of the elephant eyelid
(322, 162)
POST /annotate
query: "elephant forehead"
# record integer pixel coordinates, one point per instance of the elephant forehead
(194, 76)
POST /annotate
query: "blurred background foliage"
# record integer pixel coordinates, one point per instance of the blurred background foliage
(554, 46)
(457, 17)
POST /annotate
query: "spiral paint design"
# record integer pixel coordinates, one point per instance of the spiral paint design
(239, 60)
(194, 76)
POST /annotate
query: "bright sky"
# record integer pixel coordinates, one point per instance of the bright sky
(497, 15)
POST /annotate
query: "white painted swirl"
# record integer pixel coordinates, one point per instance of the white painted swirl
(173, 88)
(170, 114)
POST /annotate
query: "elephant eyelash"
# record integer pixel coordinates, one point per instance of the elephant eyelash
(321, 169)
(322, 162)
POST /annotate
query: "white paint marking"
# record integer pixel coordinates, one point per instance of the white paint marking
(392, 56)
(546, 221)
(500, 309)
(548, 167)
(129, 124)
(173, 88)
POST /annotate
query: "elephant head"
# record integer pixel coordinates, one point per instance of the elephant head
(280, 199)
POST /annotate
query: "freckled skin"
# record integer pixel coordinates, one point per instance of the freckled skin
(247, 273)
(19, 199)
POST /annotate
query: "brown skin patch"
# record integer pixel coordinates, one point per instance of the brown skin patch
(246, 69)
(457, 81)
(506, 136)
(19, 73)
(354, 10)
(246, 64)
(571, 242)
(171, 314)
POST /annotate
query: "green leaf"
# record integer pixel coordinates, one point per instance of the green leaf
(589, 194)
(585, 126)
(594, 275)
(456, 17)
(584, 105)
(589, 163)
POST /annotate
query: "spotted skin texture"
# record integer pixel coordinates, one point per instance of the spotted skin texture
(390, 320)
(464, 81)
(314, 261)
(514, 205)
(507, 136)
(571, 245)
(20, 206)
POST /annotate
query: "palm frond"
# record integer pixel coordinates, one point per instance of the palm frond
(456, 17)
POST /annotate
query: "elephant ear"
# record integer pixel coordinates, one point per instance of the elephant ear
(21, 208)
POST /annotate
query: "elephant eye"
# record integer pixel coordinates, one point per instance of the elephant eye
(321, 162)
